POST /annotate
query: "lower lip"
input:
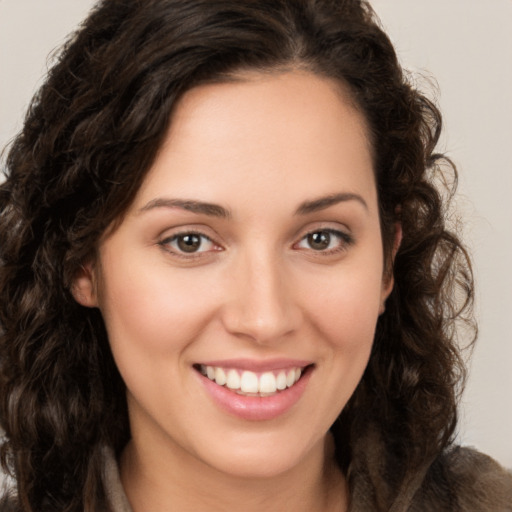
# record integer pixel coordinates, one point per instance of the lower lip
(256, 408)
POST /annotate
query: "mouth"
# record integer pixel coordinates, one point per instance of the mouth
(254, 384)
(255, 390)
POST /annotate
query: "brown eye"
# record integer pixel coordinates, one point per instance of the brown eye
(319, 241)
(326, 241)
(188, 243)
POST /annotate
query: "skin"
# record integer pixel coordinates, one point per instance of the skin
(260, 148)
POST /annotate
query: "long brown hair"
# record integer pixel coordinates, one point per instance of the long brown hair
(90, 136)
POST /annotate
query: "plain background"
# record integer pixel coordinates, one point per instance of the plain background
(466, 45)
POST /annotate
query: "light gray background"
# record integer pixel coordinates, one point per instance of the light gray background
(467, 46)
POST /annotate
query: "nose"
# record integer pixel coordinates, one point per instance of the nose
(261, 304)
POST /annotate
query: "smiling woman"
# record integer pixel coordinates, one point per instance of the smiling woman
(278, 304)
(225, 276)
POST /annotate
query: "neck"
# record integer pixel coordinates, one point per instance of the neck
(186, 483)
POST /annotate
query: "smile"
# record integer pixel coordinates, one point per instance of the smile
(251, 383)
(255, 390)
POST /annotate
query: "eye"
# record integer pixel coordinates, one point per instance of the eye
(189, 243)
(325, 240)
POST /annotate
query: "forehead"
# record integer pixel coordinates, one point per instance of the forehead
(287, 131)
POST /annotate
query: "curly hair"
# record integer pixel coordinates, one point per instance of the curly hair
(89, 138)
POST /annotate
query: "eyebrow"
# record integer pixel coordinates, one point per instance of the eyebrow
(213, 210)
(326, 201)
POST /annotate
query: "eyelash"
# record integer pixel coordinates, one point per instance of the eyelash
(344, 241)
(166, 244)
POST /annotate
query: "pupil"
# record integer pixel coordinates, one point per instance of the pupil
(189, 243)
(319, 241)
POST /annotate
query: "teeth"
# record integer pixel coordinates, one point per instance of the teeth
(267, 383)
(281, 381)
(252, 383)
(233, 380)
(249, 382)
(219, 376)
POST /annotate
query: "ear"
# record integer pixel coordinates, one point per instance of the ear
(83, 287)
(388, 280)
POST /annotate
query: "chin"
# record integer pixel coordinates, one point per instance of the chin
(263, 458)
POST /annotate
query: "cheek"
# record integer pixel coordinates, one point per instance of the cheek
(151, 324)
(153, 310)
(346, 308)
(343, 314)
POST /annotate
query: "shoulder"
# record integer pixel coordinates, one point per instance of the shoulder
(456, 480)
(465, 480)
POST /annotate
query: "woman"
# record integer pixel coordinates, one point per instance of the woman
(226, 279)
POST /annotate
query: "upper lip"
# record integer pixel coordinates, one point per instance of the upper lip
(257, 365)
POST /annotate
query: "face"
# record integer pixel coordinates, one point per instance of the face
(242, 288)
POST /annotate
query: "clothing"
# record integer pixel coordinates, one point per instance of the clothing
(461, 480)
(458, 480)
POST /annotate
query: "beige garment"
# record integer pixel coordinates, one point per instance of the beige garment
(113, 487)
(460, 480)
